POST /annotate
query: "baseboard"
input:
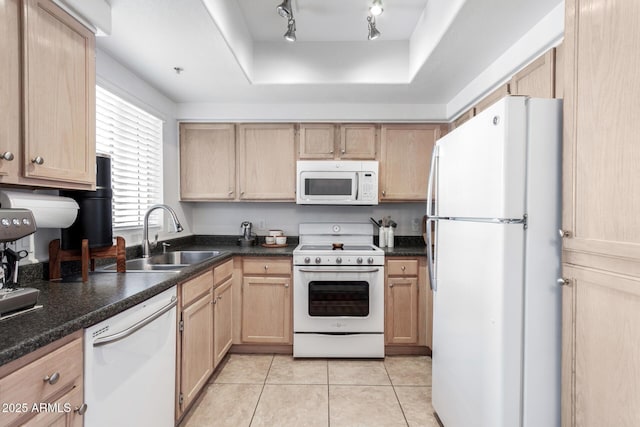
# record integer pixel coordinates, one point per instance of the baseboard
(261, 349)
(406, 350)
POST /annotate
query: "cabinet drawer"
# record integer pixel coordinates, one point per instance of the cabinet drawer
(195, 287)
(402, 267)
(222, 272)
(266, 266)
(28, 384)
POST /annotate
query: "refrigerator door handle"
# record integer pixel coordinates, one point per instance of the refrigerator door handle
(431, 265)
(432, 181)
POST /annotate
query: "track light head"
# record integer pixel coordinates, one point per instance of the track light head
(373, 31)
(284, 9)
(376, 8)
(290, 35)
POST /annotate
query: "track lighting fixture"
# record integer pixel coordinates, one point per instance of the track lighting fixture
(376, 8)
(284, 9)
(290, 35)
(373, 31)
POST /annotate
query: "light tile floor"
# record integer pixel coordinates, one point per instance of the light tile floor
(278, 391)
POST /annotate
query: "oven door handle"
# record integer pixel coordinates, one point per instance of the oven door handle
(338, 270)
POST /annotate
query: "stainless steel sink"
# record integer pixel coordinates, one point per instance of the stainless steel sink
(168, 262)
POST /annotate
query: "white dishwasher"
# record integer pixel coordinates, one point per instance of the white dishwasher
(129, 366)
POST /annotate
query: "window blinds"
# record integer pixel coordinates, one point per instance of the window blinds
(133, 139)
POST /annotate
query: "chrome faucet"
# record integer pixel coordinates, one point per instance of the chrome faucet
(146, 246)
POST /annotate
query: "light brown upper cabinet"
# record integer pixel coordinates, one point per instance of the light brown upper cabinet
(207, 161)
(267, 161)
(537, 79)
(326, 141)
(405, 160)
(317, 141)
(494, 96)
(47, 97)
(462, 118)
(9, 89)
(59, 95)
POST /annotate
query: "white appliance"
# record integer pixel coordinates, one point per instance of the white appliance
(130, 365)
(341, 182)
(497, 306)
(338, 296)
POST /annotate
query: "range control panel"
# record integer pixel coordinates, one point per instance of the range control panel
(16, 224)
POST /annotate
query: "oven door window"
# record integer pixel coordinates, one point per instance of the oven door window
(335, 299)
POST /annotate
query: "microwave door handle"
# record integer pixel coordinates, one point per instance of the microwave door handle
(357, 179)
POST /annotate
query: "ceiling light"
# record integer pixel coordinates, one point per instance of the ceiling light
(376, 8)
(290, 35)
(284, 9)
(373, 31)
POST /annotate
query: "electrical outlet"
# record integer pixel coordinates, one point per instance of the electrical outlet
(415, 224)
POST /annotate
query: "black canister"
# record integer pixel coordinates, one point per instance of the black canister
(94, 221)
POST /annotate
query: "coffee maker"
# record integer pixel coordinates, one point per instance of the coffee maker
(14, 225)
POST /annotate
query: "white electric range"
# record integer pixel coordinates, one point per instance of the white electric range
(338, 296)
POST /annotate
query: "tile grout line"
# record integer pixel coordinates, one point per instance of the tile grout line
(396, 394)
(261, 391)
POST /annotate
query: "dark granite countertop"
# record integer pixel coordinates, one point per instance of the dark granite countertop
(70, 305)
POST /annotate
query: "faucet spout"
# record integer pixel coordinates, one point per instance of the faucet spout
(146, 245)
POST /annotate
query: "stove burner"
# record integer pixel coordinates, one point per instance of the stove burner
(337, 246)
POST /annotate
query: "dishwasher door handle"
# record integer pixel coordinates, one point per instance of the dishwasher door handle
(136, 326)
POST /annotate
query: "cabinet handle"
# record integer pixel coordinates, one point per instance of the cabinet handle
(564, 282)
(564, 233)
(214, 301)
(80, 410)
(37, 160)
(52, 379)
(7, 155)
(220, 297)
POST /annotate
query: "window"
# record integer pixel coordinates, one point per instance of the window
(133, 139)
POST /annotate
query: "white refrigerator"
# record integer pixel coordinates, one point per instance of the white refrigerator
(496, 189)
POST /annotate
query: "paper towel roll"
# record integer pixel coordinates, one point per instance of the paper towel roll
(48, 211)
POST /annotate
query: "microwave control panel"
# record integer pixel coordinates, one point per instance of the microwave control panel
(369, 186)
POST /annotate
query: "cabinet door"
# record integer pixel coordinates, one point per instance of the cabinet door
(266, 310)
(222, 320)
(601, 176)
(536, 79)
(207, 161)
(9, 89)
(494, 96)
(267, 165)
(197, 347)
(357, 142)
(405, 161)
(317, 141)
(59, 95)
(402, 310)
(601, 349)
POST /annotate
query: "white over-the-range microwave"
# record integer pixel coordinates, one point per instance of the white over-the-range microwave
(341, 182)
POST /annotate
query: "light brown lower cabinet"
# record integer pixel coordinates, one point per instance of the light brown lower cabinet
(266, 301)
(222, 319)
(600, 348)
(196, 338)
(401, 307)
(47, 389)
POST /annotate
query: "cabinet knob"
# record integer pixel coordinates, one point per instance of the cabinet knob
(343, 151)
(564, 233)
(286, 285)
(7, 155)
(266, 267)
(37, 160)
(52, 379)
(391, 285)
(80, 410)
(564, 282)
(403, 268)
(331, 152)
(383, 192)
(230, 192)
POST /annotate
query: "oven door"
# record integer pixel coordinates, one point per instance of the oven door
(331, 299)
